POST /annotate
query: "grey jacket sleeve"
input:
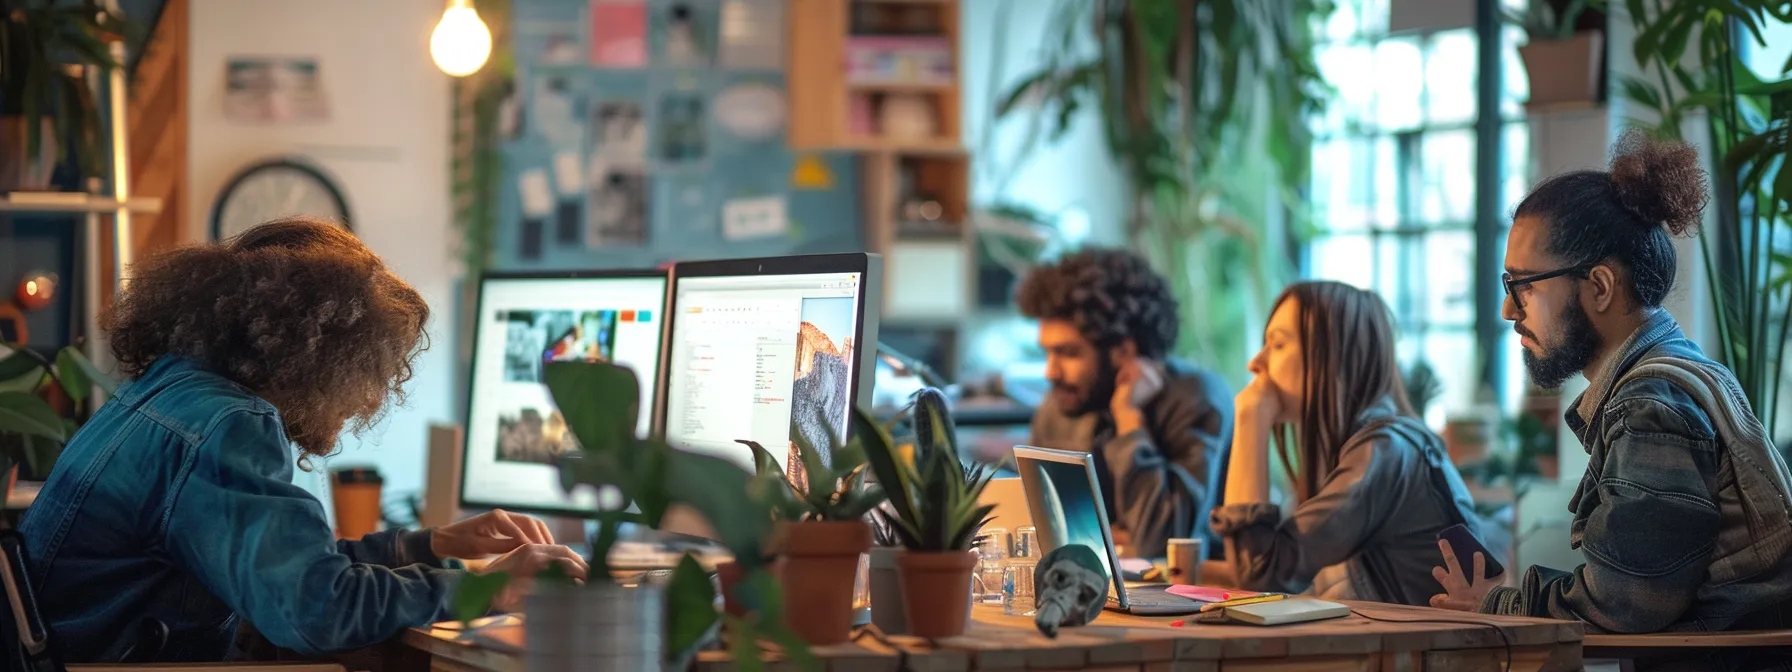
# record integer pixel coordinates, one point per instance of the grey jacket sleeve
(1652, 526)
(1163, 487)
(1354, 500)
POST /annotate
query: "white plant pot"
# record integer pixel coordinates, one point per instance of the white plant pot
(595, 627)
(886, 591)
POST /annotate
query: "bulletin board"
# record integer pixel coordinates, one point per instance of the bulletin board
(646, 131)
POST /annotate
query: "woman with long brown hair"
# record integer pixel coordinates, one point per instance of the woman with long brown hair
(1372, 486)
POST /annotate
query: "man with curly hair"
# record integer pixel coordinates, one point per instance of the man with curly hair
(172, 513)
(1159, 429)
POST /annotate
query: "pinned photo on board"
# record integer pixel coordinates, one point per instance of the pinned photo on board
(273, 89)
(619, 133)
(616, 210)
(683, 40)
(560, 47)
(681, 128)
(557, 112)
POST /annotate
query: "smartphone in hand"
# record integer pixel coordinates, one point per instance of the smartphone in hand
(1466, 546)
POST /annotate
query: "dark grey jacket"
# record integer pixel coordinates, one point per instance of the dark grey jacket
(1160, 482)
(1370, 533)
(1683, 514)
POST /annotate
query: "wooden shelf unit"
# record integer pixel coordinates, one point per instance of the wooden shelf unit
(823, 90)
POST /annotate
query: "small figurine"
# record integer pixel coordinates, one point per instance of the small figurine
(1070, 588)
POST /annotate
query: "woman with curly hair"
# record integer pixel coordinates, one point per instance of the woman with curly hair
(172, 513)
(1372, 485)
(1157, 427)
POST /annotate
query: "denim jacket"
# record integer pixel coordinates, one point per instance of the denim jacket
(1683, 513)
(175, 502)
(1160, 481)
(1370, 533)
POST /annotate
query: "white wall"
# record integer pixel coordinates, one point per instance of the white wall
(385, 144)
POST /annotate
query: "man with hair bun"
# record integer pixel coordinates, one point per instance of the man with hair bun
(1159, 429)
(1683, 515)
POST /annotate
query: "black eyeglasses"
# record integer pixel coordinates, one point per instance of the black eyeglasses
(1512, 284)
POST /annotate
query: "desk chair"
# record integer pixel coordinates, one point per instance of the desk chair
(28, 644)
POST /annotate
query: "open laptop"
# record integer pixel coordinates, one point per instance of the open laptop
(1064, 500)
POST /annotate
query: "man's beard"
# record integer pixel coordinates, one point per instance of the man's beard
(1579, 343)
(1100, 393)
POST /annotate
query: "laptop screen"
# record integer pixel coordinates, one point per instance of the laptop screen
(1065, 504)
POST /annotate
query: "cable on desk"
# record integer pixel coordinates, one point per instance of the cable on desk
(1497, 629)
(877, 635)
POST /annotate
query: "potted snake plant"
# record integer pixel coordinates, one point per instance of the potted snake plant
(934, 513)
(666, 622)
(823, 532)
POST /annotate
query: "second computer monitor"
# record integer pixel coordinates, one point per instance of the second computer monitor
(757, 346)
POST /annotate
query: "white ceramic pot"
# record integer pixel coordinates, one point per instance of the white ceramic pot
(886, 591)
(595, 627)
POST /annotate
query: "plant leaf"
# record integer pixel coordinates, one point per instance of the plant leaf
(21, 363)
(72, 378)
(94, 377)
(474, 594)
(744, 648)
(690, 607)
(713, 486)
(601, 403)
(27, 414)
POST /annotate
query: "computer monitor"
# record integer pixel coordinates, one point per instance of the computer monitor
(757, 345)
(513, 430)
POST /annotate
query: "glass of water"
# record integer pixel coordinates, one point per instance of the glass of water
(1026, 542)
(1017, 586)
(991, 552)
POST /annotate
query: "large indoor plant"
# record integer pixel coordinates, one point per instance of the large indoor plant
(32, 432)
(1205, 107)
(44, 102)
(1564, 55)
(934, 513)
(601, 403)
(1746, 245)
(823, 531)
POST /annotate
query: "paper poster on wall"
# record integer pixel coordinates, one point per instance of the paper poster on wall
(560, 46)
(537, 197)
(618, 33)
(569, 184)
(557, 109)
(751, 111)
(681, 126)
(261, 89)
(684, 44)
(619, 133)
(758, 217)
(752, 35)
(616, 210)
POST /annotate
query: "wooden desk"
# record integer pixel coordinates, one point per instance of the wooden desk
(1136, 644)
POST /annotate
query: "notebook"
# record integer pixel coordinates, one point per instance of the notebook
(1280, 612)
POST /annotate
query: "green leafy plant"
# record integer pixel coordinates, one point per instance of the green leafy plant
(39, 39)
(1205, 106)
(829, 490)
(1548, 20)
(601, 403)
(32, 433)
(1748, 257)
(933, 501)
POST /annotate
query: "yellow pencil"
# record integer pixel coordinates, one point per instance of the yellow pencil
(1243, 601)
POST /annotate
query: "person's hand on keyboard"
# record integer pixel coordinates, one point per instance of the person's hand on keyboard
(489, 533)
(524, 563)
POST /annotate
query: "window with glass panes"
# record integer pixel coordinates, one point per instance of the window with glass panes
(1394, 183)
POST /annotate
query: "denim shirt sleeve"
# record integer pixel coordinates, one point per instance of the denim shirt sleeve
(1652, 530)
(262, 546)
(1354, 501)
(392, 548)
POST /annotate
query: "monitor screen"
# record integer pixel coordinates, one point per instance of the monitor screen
(513, 431)
(752, 355)
(1066, 506)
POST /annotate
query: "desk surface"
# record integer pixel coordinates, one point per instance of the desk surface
(1122, 642)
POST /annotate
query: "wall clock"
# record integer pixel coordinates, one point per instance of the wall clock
(273, 189)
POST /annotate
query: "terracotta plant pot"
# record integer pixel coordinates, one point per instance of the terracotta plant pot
(936, 592)
(821, 562)
(886, 592)
(729, 575)
(1565, 72)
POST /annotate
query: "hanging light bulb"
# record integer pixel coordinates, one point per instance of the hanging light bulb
(461, 42)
